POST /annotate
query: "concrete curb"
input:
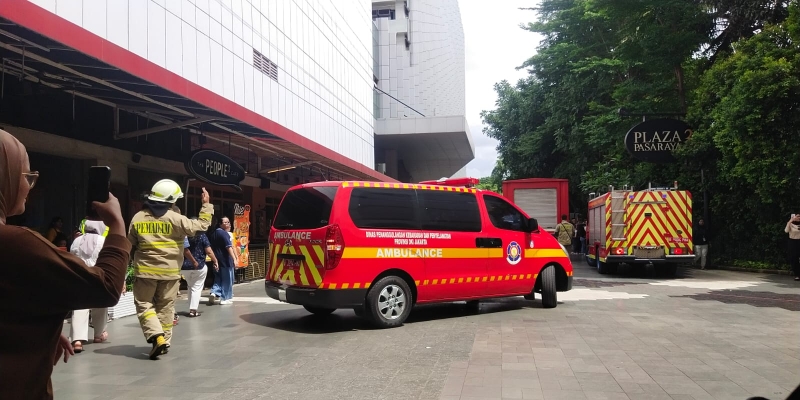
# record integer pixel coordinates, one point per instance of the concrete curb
(754, 271)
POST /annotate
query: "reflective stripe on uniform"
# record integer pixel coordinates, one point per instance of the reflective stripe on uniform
(166, 327)
(146, 315)
(159, 245)
(157, 271)
(205, 216)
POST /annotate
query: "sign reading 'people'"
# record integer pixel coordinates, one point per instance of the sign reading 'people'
(215, 168)
(654, 140)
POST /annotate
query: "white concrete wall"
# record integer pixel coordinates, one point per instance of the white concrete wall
(323, 49)
(430, 75)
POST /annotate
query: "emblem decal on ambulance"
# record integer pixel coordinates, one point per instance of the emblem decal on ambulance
(513, 253)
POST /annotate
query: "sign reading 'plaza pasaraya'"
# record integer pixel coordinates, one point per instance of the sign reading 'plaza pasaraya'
(654, 140)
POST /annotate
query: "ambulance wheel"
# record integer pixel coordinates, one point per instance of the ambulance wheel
(389, 302)
(549, 292)
(319, 310)
(474, 306)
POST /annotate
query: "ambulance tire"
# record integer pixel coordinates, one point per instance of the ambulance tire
(549, 289)
(388, 286)
(319, 310)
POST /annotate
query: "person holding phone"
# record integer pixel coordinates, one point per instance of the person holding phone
(157, 233)
(793, 229)
(41, 284)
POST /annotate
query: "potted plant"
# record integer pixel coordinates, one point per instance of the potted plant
(125, 306)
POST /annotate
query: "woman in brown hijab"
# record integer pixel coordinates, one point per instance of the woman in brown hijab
(39, 284)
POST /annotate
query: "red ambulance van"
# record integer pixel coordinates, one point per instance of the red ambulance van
(380, 248)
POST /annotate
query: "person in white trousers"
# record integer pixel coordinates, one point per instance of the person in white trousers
(194, 269)
(87, 247)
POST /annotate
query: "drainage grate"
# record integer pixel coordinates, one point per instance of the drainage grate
(265, 65)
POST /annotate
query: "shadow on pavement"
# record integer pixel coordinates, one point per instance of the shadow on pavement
(299, 321)
(128, 350)
(782, 281)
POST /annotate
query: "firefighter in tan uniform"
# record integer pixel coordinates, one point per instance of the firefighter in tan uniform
(156, 234)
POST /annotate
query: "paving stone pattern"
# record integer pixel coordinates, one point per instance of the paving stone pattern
(671, 344)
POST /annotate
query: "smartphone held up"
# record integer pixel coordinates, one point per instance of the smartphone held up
(97, 189)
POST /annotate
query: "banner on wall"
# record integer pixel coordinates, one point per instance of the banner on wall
(241, 233)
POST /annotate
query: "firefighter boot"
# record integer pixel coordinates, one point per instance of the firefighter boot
(159, 347)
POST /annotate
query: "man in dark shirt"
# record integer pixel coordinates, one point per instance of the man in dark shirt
(580, 233)
(701, 238)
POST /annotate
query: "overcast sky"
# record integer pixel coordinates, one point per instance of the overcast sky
(495, 46)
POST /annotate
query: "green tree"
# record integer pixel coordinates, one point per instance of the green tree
(731, 65)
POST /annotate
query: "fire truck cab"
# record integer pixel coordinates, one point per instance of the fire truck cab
(380, 248)
(652, 226)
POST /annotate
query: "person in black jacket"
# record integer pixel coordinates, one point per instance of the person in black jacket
(701, 238)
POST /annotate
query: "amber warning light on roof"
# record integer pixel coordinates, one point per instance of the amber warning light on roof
(461, 182)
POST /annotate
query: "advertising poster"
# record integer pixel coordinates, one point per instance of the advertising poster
(241, 233)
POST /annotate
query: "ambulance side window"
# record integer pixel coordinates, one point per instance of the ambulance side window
(449, 211)
(384, 208)
(503, 215)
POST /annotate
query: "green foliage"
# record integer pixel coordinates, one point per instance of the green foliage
(732, 66)
(488, 183)
(129, 278)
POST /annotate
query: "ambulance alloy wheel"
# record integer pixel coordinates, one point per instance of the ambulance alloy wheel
(549, 291)
(319, 310)
(389, 302)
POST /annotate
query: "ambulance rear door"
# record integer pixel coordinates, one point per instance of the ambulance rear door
(298, 235)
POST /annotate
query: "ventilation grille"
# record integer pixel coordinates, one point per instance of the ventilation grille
(265, 65)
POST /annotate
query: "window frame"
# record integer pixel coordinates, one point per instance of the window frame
(524, 228)
(415, 223)
(319, 189)
(423, 214)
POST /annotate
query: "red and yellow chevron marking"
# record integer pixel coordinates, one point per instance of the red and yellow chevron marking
(307, 274)
(409, 186)
(608, 218)
(670, 212)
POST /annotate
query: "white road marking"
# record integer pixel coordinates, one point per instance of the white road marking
(580, 294)
(710, 285)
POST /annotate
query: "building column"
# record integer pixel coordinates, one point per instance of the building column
(391, 163)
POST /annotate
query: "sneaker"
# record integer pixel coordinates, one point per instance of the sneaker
(159, 347)
(226, 302)
(211, 299)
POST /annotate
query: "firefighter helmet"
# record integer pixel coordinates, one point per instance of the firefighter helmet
(165, 190)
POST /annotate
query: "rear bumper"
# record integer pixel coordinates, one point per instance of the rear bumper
(323, 298)
(666, 260)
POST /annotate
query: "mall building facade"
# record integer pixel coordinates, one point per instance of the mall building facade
(294, 91)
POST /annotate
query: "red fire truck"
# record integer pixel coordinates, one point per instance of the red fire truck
(545, 199)
(652, 226)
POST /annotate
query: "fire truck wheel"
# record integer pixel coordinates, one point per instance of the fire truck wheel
(319, 310)
(389, 302)
(601, 266)
(668, 271)
(549, 292)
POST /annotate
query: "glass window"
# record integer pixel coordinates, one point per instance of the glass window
(306, 208)
(449, 211)
(383, 208)
(503, 215)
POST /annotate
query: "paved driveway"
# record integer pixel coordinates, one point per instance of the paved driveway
(704, 335)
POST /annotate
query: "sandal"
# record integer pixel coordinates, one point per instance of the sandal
(77, 346)
(193, 313)
(102, 338)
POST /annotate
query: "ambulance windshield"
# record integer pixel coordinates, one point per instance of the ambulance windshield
(305, 208)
